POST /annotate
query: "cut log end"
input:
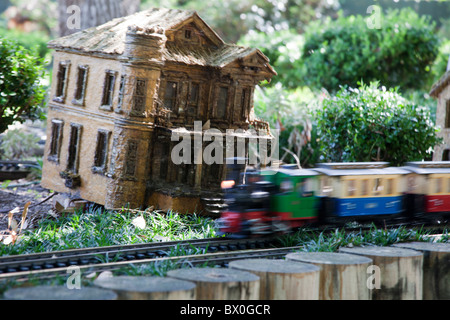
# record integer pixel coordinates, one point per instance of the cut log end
(397, 272)
(59, 293)
(282, 279)
(148, 288)
(220, 283)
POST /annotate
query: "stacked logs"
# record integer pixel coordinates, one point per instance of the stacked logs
(407, 271)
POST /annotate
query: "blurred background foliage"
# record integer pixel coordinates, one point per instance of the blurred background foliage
(317, 47)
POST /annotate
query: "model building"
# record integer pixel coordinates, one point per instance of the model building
(119, 93)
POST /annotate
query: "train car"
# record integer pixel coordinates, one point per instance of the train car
(428, 189)
(271, 201)
(294, 202)
(360, 191)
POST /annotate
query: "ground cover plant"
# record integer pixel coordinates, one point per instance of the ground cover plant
(373, 123)
(96, 228)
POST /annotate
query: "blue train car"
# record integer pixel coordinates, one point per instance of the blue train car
(361, 190)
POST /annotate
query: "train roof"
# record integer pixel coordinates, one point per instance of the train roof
(428, 167)
(295, 172)
(358, 168)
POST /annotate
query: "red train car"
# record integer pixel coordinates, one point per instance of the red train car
(428, 186)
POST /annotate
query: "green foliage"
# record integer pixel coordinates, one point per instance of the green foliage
(346, 50)
(16, 144)
(374, 124)
(440, 64)
(97, 228)
(21, 91)
(284, 49)
(234, 18)
(290, 111)
(35, 40)
(332, 241)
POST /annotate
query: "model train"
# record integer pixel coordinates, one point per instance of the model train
(278, 200)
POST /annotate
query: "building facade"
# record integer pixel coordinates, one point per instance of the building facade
(119, 93)
(441, 91)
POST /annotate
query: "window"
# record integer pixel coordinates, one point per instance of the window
(187, 34)
(447, 114)
(245, 101)
(351, 188)
(121, 94)
(193, 99)
(139, 97)
(389, 186)
(446, 155)
(108, 90)
(101, 152)
(170, 95)
(222, 102)
(164, 162)
(378, 187)
(364, 187)
(61, 82)
(131, 159)
(56, 138)
(80, 89)
(438, 185)
(74, 146)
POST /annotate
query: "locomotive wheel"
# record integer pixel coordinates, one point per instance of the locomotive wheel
(258, 227)
(281, 226)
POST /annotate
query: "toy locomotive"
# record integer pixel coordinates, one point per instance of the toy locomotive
(277, 200)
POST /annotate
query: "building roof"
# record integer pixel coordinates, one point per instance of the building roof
(440, 85)
(109, 39)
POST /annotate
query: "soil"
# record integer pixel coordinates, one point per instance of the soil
(17, 194)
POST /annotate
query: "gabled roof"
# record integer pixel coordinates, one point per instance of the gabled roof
(109, 39)
(440, 85)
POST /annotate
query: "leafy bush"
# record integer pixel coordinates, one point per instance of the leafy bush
(346, 50)
(284, 49)
(36, 40)
(291, 112)
(21, 91)
(16, 144)
(374, 124)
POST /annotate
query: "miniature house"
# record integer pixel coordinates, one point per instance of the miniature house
(441, 91)
(121, 90)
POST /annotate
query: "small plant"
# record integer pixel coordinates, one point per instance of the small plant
(372, 123)
(21, 91)
(16, 144)
(332, 241)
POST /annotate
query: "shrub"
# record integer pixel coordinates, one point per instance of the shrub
(21, 91)
(284, 49)
(291, 112)
(346, 50)
(374, 124)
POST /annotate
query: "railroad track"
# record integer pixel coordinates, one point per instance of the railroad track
(16, 169)
(216, 251)
(105, 258)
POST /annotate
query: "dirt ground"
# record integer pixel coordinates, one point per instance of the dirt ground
(17, 194)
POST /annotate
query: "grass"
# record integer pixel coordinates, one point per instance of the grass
(332, 241)
(97, 228)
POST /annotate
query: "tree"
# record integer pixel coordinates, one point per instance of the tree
(370, 123)
(344, 51)
(21, 91)
(76, 15)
